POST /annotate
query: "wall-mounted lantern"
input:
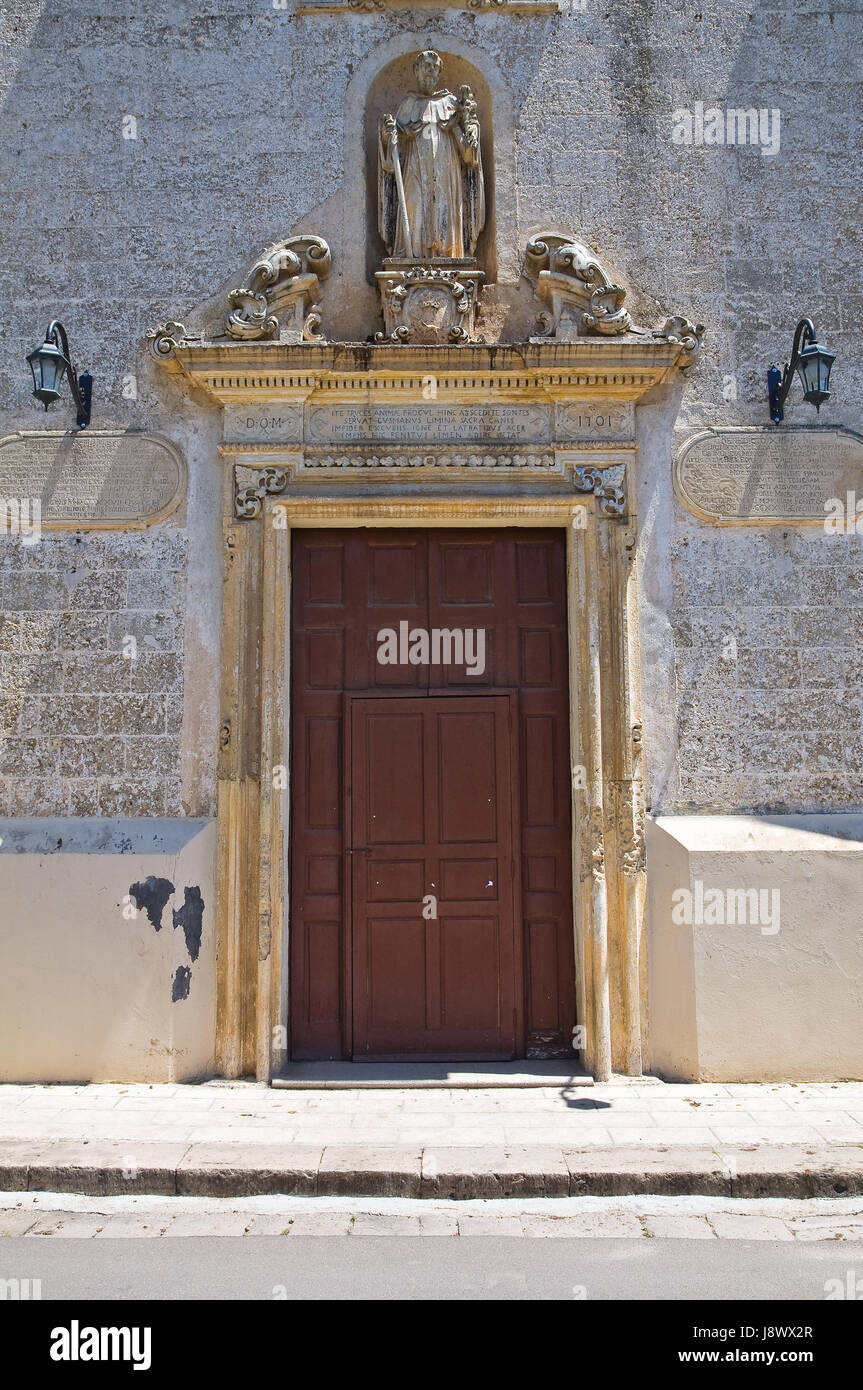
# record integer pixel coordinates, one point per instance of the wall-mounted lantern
(812, 361)
(50, 363)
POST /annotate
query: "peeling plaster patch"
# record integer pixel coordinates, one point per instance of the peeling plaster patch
(152, 895)
(190, 918)
(182, 981)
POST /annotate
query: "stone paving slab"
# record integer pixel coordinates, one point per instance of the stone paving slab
(322, 1224)
(588, 1223)
(502, 1224)
(427, 1075)
(269, 1224)
(679, 1227)
(71, 1225)
(15, 1158)
(671, 1172)
(802, 1171)
(137, 1226)
(104, 1167)
(58, 1215)
(377, 1224)
(730, 1224)
(222, 1223)
(15, 1222)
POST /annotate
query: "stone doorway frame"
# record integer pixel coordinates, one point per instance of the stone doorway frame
(605, 748)
(578, 478)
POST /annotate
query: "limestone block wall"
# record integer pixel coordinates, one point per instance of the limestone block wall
(91, 673)
(175, 142)
(768, 633)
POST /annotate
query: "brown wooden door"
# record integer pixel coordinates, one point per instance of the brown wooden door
(431, 915)
(346, 586)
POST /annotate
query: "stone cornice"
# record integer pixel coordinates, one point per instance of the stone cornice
(619, 369)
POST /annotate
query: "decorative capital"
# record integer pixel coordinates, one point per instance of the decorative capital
(276, 300)
(249, 500)
(612, 500)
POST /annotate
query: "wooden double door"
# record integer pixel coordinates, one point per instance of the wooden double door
(430, 877)
(434, 952)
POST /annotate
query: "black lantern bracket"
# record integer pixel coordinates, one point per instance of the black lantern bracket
(50, 363)
(812, 362)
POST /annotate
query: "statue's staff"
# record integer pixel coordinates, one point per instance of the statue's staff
(400, 188)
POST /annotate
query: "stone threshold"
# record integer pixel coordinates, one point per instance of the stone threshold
(416, 1076)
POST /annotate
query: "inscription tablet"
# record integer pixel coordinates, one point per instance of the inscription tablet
(751, 475)
(427, 423)
(95, 478)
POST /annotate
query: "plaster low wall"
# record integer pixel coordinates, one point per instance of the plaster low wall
(93, 987)
(779, 995)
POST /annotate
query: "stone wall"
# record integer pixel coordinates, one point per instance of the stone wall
(247, 123)
(768, 630)
(91, 673)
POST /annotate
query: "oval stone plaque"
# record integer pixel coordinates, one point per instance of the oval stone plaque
(92, 479)
(750, 475)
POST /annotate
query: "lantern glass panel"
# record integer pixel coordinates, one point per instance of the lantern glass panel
(48, 366)
(814, 372)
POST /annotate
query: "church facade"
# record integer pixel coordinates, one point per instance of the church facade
(437, 644)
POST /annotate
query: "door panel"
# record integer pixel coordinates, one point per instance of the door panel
(394, 778)
(347, 586)
(433, 773)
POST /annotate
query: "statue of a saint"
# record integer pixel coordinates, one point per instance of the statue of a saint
(431, 202)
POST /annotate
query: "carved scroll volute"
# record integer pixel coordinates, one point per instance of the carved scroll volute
(611, 499)
(579, 295)
(162, 342)
(279, 293)
(248, 501)
(688, 335)
(580, 298)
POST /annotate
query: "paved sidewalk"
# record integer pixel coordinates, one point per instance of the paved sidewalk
(239, 1138)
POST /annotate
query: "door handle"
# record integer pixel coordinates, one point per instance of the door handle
(361, 850)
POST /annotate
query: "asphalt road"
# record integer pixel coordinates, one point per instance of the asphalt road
(428, 1268)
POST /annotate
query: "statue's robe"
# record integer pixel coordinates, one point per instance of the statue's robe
(443, 182)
